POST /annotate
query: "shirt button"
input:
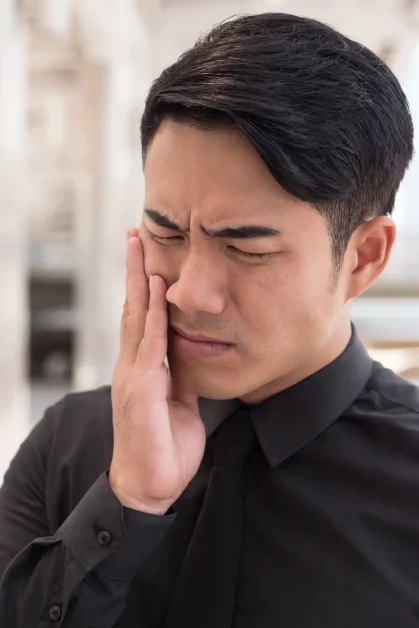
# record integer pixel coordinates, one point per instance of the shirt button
(104, 538)
(55, 612)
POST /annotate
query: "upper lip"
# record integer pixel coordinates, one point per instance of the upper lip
(198, 337)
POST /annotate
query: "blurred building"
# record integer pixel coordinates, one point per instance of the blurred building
(73, 77)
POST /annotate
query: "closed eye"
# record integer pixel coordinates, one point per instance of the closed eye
(247, 254)
(164, 240)
(168, 240)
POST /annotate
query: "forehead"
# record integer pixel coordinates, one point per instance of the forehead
(217, 174)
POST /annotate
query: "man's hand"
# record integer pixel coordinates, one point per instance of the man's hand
(159, 438)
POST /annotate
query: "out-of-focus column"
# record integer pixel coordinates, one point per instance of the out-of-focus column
(100, 224)
(14, 398)
(114, 80)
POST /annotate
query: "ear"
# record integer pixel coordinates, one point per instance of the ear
(368, 253)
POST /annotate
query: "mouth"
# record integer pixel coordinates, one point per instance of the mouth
(198, 337)
(198, 345)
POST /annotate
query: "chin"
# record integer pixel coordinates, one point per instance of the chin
(210, 383)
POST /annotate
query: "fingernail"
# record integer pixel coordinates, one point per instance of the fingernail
(152, 281)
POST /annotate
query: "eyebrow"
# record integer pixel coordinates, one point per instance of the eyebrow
(246, 232)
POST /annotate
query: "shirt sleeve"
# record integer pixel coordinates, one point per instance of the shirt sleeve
(85, 569)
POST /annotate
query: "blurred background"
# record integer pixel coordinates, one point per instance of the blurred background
(73, 77)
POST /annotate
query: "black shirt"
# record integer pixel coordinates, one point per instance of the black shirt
(304, 514)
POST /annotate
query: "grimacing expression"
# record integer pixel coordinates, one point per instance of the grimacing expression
(271, 295)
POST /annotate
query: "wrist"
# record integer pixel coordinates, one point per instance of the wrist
(148, 506)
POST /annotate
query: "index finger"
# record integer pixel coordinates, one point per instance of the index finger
(153, 347)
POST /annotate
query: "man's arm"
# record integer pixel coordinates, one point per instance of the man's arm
(84, 569)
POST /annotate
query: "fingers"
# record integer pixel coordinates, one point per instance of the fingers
(153, 347)
(144, 319)
(132, 232)
(136, 300)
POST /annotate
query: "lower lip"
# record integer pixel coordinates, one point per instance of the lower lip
(195, 349)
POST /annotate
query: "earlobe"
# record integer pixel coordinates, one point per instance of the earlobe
(372, 243)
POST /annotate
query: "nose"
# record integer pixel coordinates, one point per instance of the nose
(200, 286)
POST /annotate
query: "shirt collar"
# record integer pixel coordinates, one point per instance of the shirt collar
(291, 419)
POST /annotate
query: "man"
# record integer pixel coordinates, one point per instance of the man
(271, 479)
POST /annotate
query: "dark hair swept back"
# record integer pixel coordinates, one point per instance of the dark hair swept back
(328, 117)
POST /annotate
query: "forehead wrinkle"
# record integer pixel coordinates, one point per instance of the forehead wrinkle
(209, 214)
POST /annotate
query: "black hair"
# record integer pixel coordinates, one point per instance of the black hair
(328, 117)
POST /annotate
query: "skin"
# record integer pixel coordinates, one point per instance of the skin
(284, 313)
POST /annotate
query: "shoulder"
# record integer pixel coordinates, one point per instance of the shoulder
(83, 407)
(81, 421)
(384, 419)
(394, 391)
(67, 450)
(75, 436)
(69, 424)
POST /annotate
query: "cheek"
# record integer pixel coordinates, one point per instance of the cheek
(259, 298)
(288, 301)
(160, 261)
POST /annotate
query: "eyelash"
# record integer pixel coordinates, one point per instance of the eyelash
(238, 251)
(254, 255)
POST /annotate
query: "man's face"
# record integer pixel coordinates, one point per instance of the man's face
(278, 311)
